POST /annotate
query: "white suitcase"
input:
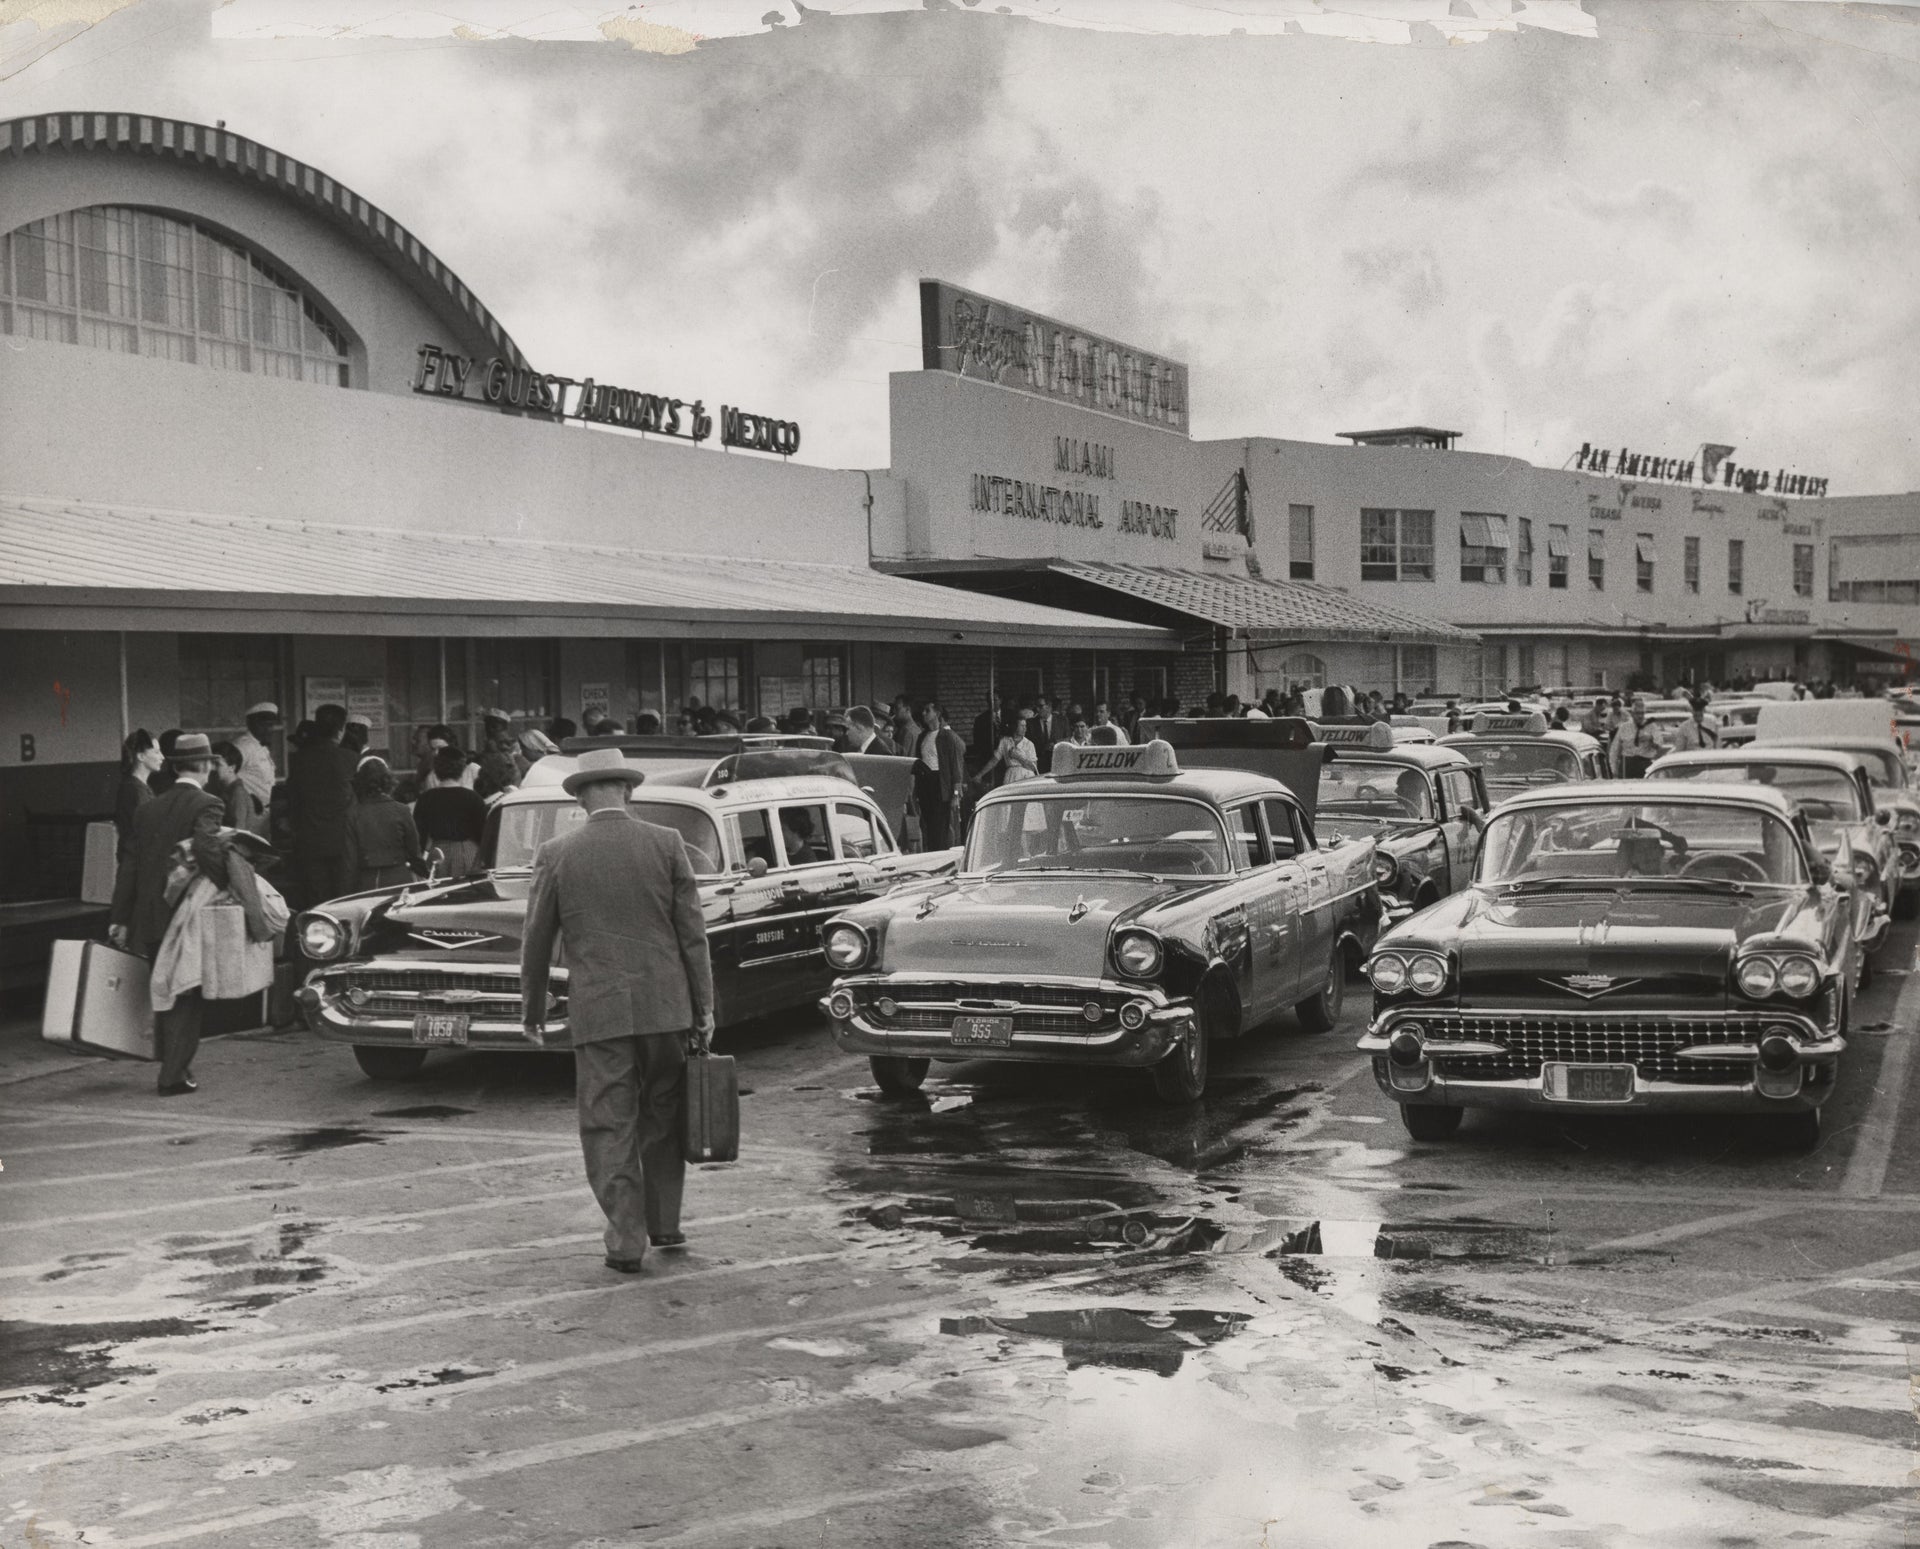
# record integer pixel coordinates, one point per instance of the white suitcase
(98, 1001)
(97, 874)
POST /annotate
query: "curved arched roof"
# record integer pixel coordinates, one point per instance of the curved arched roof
(222, 151)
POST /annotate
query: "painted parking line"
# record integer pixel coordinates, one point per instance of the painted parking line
(173, 1167)
(1759, 1298)
(1873, 1151)
(440, 1129)
(298, 1191)
(1705, 1226)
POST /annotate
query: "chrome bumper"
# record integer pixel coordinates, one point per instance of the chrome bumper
(1166, 1025)
(1421, 1085)
(330, 1017)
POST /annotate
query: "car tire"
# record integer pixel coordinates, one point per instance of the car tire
(1182, 1076)
(1319, 1013)
(896, 1075)
(388, 1064)
(1794, 1133)
(1426, 1122)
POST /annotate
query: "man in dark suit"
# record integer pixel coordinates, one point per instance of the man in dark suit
(141, 908)
(639, 997)
(319, 795)
(939, 777)
(986, 731)
(1043, 730)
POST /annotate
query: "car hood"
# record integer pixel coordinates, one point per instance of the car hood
(1017, 926)
(1381, 830)
(472, 919)
(1657, 948)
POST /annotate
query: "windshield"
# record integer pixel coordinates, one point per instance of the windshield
(1354, 790)
(1523, 763)
(1824, 795)
(1165, 836)
(525, 826)
(1643, 840)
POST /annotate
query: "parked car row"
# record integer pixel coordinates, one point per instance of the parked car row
(1534, 935)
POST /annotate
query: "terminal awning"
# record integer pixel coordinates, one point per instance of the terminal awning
(72, 566)
(1248, 606)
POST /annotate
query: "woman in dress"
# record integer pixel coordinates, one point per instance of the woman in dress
(383, 847)
(140, 756)
(1015, 753)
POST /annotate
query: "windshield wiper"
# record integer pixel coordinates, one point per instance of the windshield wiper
(1714, 884)
(1568, 884)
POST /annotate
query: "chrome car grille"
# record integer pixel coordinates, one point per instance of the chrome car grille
(403, 992)
(1035, 1008)
(1649, 1043)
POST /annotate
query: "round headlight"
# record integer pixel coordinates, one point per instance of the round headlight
(322, 937)
(846, 946)
(1388, 973)
(1137, 954)
(1386, 870)
(1799, 977)
(1757, 977)
(1427, 974)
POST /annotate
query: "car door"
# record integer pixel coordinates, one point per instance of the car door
(1460, 793)
(759, 928)
(818, 882)
(1281, 952)
(1257, 909)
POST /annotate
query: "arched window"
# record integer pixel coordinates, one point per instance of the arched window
(1305, 669)
(149, 284)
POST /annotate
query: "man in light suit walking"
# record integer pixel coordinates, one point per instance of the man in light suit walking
(639, 997)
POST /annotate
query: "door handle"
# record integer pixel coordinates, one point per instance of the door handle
(790, 886)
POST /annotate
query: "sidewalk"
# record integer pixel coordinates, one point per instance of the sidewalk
(26, 1056)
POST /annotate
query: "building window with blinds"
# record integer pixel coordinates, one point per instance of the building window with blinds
(1523, 552)
(1643, 556)
(1559, 552)
(1300, 543)
(1803, 570)
(1396, 545)
(144, 283)
(1690, 560)
(1483, 547)
(1736, 566)
(1417, 669)
(1597, 559)
(1303, 670)
(821, 673)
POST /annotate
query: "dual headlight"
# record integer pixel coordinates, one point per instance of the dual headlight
(1425, 973)
(847, 946)
(1760, 977)
(322, 938)
(1138, 954)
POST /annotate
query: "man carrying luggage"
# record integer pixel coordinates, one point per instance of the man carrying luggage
(639, 997)
(141, 908)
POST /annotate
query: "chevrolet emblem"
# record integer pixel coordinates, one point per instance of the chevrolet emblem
(1590, 986)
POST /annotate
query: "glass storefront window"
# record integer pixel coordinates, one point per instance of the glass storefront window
(141, 282)
(220, 675)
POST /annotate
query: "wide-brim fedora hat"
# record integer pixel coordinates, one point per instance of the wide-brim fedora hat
(191, 747)
(601, 764)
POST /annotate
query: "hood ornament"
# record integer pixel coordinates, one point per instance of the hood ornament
(451, 940)
(1079, 910)
(1590, 986)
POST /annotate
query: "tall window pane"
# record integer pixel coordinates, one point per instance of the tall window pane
(147, 283)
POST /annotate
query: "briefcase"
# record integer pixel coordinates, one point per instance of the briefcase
(710, 1125)
(98, 1001)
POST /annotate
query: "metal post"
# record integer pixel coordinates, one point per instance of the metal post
(126, 719)
(444, 708)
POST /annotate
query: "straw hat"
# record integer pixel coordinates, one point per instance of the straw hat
(600, 764)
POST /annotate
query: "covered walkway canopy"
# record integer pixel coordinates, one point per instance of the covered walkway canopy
(86, 567)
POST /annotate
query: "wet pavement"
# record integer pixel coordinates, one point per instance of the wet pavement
(1030, 1306)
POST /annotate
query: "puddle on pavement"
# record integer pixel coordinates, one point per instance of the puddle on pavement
(331, 1137)
(441, 1377)
(1084, 1114)
(1134, 1339)
(1004, 1231)
(55, 1361)
(424, 1111)
(246, 1276)
(1465, 1241)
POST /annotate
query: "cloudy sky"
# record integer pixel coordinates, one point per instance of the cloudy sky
(1700, 223)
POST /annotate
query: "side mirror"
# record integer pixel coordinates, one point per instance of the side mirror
(756, 867)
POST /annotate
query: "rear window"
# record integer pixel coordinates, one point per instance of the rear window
(522, 827)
